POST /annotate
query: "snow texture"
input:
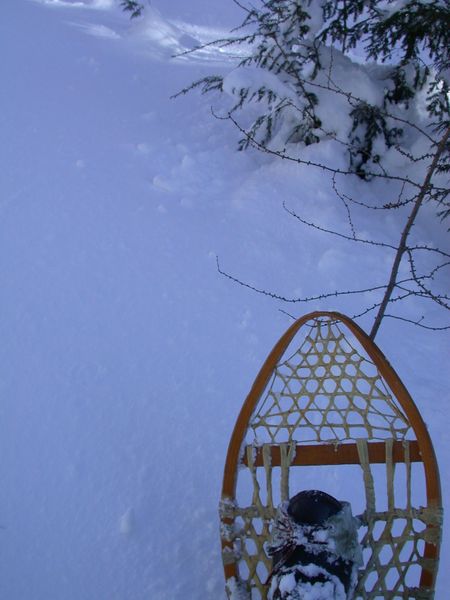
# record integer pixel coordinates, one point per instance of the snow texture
(125, 356)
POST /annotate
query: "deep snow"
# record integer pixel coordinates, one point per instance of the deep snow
(125, 356)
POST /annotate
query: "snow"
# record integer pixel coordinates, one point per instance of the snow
(329, 590)
(125, 356)
(287, 583)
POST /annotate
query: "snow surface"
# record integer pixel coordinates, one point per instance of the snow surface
(125, 356)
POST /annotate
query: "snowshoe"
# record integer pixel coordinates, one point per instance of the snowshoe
(327, 410)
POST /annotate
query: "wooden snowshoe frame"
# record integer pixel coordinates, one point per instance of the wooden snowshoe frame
(335, 401)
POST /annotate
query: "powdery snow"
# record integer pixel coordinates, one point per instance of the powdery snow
(125, 356)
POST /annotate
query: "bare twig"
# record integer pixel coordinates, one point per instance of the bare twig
(402, 246)
(337, 233)
(417, 322)
(305, 299)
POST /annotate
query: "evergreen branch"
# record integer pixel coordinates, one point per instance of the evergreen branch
(310, 163)
(355, 100)
(285, 45)
(220, 43)
(214, 82)
(134, 8)
(296, 74)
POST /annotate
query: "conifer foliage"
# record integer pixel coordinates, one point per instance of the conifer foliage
(370, 79)
(386, 61)
(134, 8)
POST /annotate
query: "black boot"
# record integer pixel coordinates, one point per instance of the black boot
(314, 549)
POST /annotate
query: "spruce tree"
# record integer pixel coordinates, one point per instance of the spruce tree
(371, 79)
(300, 48)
